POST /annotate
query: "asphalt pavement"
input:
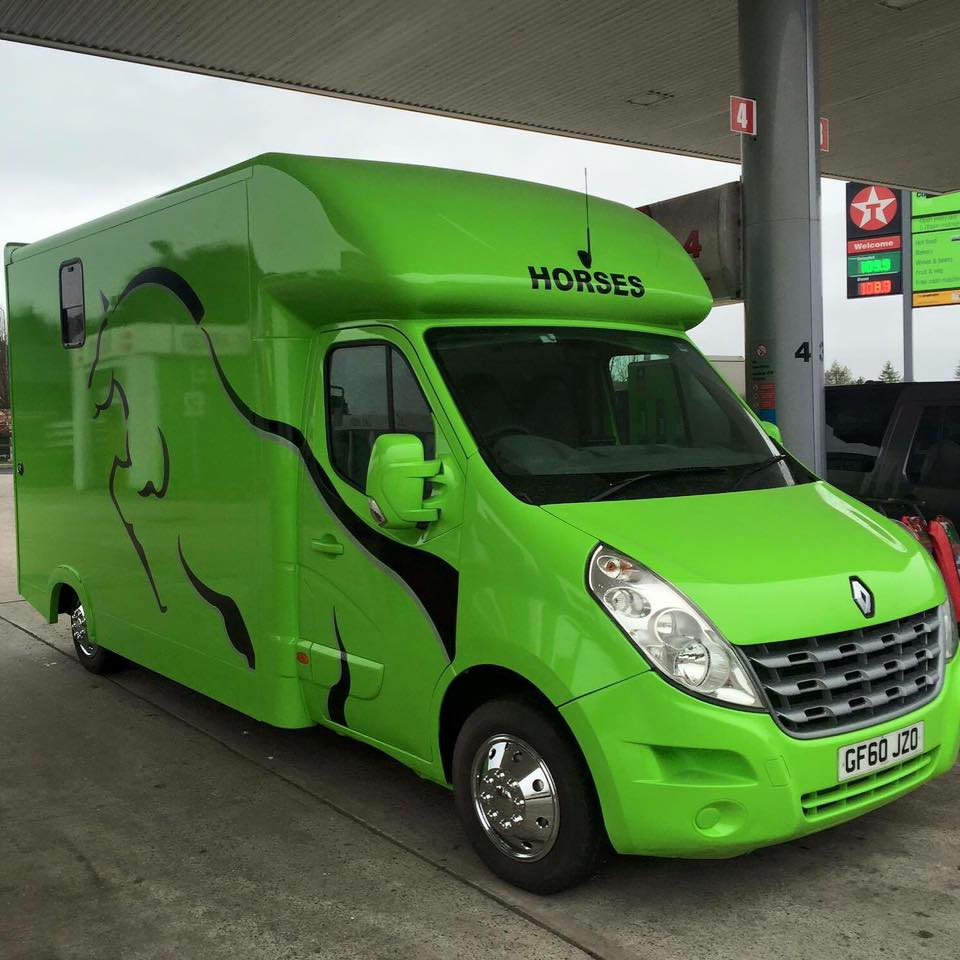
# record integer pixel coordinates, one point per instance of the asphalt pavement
(140, 820)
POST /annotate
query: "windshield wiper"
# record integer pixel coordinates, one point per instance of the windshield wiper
(615, 488)
(756, 468)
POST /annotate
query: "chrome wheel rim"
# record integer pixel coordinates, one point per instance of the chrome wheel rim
(515, 797)
(78, 627)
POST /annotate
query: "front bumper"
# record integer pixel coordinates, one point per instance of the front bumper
(680, 777)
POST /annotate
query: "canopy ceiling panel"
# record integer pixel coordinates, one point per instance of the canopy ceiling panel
(646, 73)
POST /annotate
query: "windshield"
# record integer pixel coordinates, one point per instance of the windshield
(571, 414)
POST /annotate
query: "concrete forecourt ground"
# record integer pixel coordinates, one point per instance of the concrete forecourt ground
(142, 820)
(427, 458)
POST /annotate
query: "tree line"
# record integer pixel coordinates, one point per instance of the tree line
(839, 374)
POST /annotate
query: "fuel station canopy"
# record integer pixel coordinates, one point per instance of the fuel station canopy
(644, 73)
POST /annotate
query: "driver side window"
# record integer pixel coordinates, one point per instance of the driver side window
(371, 390)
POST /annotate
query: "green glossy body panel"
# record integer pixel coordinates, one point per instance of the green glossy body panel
(656, 777)
(176, 477)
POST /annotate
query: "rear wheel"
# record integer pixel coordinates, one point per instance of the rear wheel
(91, 656)
(526, 798)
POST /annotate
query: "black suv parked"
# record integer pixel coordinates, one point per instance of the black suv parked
(896, 446)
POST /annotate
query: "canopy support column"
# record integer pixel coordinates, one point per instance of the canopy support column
(781, 222)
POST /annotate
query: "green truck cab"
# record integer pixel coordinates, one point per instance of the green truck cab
(420, 456)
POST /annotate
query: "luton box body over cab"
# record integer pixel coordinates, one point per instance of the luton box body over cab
(417, 455)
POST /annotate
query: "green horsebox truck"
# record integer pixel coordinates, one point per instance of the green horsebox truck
(428, 458)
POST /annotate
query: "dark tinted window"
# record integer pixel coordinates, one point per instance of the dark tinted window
(371, 390)
(567, 414)
(934, 458)
(857, 418)
(72, 331)
(410, 411)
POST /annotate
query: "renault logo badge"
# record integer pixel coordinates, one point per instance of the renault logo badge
(862, 596)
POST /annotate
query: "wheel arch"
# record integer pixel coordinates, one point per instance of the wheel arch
(65, 588)
(474, 687)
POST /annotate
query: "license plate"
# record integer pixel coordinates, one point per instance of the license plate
(870, 755)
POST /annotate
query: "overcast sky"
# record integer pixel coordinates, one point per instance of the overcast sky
(85, 135)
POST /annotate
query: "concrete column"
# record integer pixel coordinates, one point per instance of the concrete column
(781, 222)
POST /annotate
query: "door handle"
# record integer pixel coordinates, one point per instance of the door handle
(329, 545)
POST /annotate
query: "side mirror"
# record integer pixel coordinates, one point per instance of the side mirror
(395, 481)
(772, 431)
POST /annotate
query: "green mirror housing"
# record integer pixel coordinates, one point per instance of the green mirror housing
(395, 479)
(772, 431)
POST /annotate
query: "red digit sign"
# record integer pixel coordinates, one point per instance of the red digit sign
(743, 116)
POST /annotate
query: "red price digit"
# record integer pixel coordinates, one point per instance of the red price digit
(871, 288)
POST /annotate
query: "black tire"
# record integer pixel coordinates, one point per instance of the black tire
(580, 839)
(92, 657)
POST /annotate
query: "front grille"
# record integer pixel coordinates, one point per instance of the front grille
(819, 686)
(866, 789)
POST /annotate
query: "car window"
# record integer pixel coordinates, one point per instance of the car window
(934, 457)
(371, 390)
(857, 418)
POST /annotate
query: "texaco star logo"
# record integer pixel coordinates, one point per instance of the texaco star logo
(873, 208)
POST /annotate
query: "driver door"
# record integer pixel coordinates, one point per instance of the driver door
(370, 597)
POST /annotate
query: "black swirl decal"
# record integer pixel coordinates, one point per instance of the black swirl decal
(116, 388)
(125, 463)
(149, 489)
(337, 698)
(433, 581)
(155, 276)
(227, 607)
(169, 280)
(96, 355)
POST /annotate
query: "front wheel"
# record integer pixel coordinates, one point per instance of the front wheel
(91, 656)
(526, 798)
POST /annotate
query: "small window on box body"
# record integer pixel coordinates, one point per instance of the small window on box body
(72, 327)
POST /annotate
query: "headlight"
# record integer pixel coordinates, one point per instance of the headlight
(671, 633)
(948, 628)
